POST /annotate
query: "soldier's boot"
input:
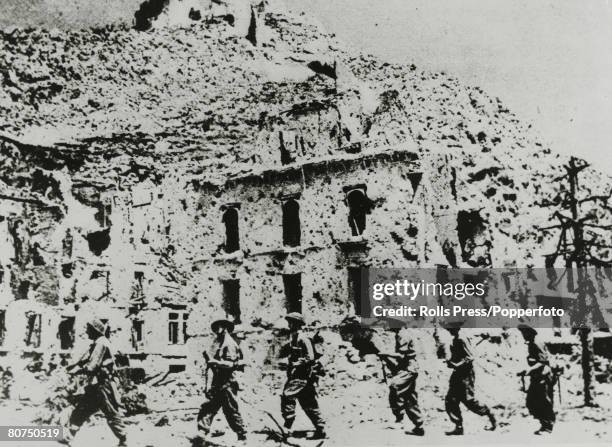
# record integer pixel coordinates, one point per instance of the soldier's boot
(492, 421)
(198, 440)
(418, 431)
(242, 437)
(458, 431)
(319, 434)
(288, 424)
(544, 429)
(122, 441)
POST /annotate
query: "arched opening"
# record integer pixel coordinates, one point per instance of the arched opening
(291, 223)
(359, 206)
(232, 235)
(65, 332)
(231, 298)
(293, 292)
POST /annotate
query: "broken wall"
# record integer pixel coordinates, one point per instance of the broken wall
(311, 130)
(79, 250)
(393, 236)
(244, 16)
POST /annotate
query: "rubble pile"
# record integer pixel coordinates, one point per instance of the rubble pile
(62, 394)
(133, 398)
(109, 136)
(199, 96)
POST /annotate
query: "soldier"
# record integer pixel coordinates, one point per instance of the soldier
(402, 383)
(360, 337)
(461, 384)
(226, 359)
(101, 390)
(541, 381)
(301, 378)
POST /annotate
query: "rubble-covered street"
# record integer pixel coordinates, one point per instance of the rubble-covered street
(354, 400)
(178, 426)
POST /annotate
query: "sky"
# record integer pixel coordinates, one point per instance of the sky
(550, 61)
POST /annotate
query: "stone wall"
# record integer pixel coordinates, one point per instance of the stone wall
(393, 235)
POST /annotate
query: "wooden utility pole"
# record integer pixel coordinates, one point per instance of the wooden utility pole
(578, 254)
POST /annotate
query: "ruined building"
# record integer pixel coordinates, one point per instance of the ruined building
(194, 173)
(244, 16)
(289, 234)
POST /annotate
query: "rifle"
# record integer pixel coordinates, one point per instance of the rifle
(207, 358)
(483, 337)
(282, 435)
(557, 372)
(384, 369)
(385, 357)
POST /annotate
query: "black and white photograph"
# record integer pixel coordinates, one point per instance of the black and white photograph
(305, 223)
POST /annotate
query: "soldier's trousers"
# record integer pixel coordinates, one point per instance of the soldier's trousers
(540, 400)
(461, 391)
(403, 398)
(100, 397)
(223, 398)
(307, 398)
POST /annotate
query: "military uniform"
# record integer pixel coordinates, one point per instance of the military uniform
(101, 391)
(402, 383)
(224, 388)
(301, 383)
(541, 386)
(461, 385)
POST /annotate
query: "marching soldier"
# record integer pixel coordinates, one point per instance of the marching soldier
(225, 360)
(541, 381)
(301, 378)
(461, 384)
(402, 383)
(101, 390)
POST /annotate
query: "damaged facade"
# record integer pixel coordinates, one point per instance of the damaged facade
(85, 251)
(304, 229)
(332, 190)
(245, 17)
(290, 234)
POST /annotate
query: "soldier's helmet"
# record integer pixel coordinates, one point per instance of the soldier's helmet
(222, 322)
(350, 321)
(297, 317)
(97, 325)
